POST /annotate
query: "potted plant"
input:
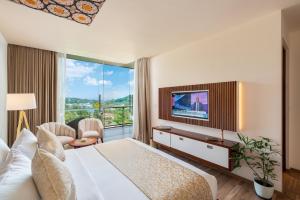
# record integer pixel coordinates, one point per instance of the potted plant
(258, 154)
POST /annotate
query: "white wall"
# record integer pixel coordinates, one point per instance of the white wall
(294, 99)
(250, 53)
(3, 88)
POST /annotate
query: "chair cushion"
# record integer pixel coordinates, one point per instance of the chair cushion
(52, 178)
(26, 143)
(65, 139)
(90, 134)
(49, 142)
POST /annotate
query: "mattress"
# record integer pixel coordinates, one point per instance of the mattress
(97, 179)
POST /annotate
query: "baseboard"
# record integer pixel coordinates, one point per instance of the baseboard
(295, 170)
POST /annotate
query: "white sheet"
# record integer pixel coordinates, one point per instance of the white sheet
(96, 179)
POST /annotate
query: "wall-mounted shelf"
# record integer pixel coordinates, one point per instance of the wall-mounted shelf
(195, 146)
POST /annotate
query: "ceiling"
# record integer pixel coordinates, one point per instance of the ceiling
(128, 29)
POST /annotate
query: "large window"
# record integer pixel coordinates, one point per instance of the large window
(103, 91)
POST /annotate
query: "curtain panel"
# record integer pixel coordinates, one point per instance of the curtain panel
(61, 60)
(31, 70)
(141, 101)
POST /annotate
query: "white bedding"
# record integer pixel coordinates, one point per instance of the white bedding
(96, 179)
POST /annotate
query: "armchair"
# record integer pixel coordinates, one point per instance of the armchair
(64, 133)
(90, 127)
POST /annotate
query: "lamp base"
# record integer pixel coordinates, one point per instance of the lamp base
(22, 117)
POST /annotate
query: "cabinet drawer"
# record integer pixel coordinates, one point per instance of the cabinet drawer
(186, 145)
(161, 137)
(216, 154)
(212, 153)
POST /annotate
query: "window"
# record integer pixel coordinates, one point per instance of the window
(103, 91)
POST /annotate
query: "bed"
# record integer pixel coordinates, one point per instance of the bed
(117, 170)
(96, 178)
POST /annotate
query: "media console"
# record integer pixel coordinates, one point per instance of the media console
(195, 146)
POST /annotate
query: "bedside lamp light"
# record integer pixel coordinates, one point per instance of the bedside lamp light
(21, 102)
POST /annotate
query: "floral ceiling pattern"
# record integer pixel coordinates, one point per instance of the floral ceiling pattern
(81, 11)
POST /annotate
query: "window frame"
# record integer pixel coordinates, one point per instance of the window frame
(94, 60)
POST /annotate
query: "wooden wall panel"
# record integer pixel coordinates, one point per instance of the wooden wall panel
(222, 105)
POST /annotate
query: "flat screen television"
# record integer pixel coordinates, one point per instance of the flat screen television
(190, 104)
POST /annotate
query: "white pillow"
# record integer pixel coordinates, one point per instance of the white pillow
(4, 150)
(16, 180)
(49, 142)
(52, 177)
(26, 143)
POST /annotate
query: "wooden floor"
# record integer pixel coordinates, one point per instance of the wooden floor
(291, 184)
(235, 188)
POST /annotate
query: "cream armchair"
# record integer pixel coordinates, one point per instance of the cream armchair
(90, 127)
(64, 133)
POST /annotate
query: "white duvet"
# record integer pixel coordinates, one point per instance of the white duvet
(96, 179)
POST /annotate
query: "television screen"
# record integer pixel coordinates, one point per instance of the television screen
(192, 104)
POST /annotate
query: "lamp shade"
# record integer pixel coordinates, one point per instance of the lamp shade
(20, 101)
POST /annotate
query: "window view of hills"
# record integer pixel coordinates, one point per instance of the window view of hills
(113, 112)
(100, 91)
(78, 103)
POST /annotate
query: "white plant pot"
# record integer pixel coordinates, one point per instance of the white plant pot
(263, 191)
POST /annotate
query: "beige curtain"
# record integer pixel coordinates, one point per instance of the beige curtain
(141, 103)
(32, 70)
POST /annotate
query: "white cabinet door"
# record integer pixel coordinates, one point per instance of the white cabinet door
(212, 153)
(161, 137)
(186, 145)
(215, 154)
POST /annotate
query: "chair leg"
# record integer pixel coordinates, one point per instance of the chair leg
(98, 140)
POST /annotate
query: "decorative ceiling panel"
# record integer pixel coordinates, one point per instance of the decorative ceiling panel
(81, 11)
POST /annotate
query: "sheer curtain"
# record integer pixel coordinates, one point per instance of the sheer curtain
(61, 87)
(3, 92)
(141, 101)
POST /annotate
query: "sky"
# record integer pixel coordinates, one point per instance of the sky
(87, 80)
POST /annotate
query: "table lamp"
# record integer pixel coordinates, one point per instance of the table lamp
(20, 102)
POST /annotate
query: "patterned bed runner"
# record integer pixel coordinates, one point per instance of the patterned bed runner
(156, 176)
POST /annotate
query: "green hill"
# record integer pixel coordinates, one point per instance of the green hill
(71, 100)
(120, 101)
(127, 100)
